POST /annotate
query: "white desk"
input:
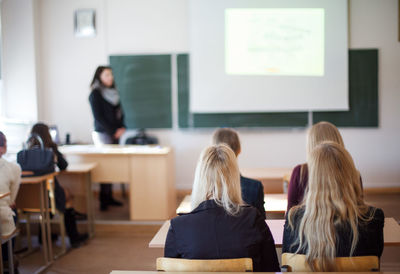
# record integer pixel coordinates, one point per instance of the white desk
(149, 171)
(273, 203)
(391, 233)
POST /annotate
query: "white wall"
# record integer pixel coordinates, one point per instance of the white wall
(67, 65)
(18, 60)
(157, 26)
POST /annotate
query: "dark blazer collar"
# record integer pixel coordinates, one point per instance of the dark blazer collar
(207, 204)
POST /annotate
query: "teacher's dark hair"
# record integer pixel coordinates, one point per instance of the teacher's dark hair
(2, 139)
(96, 77)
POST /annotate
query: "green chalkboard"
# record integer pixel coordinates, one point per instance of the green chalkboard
(144, 84)
(186, 119)
(363, 92)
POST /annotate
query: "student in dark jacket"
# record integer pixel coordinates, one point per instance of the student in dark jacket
(108, 121)
(333, 220)
(62, 198)
(320, 132)
(252, 190)
(221, 226)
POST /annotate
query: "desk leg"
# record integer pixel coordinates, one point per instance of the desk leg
(89, 201)
(43, 228)
(47, 218)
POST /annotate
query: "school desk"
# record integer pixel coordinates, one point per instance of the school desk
(77, 178)
(391, 233)
(156, 272)
(149, 171)
(274, 179)
(273, 203)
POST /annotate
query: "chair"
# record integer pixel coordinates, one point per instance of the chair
(7, 239)
(187, 265)
(297, 263)
(26, 213)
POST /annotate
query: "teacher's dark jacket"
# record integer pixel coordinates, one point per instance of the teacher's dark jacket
(208, 232)
(107, 117)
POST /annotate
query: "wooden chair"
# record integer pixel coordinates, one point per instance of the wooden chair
(297, 263)
(187, 265)
(58, 218)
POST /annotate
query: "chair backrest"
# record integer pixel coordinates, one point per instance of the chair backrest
(298, 263)
(188, 265)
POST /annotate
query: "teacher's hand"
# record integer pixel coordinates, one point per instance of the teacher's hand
(119, 132)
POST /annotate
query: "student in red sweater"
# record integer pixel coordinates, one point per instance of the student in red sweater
(320, 132)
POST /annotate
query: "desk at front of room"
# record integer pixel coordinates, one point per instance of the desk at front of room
(149, 171)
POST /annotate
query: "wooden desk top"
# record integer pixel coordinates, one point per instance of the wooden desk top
(79, 168)
(273, 203)
(37, 179)
(264, 173)
(391, 233)
(114, 149)
(155, 272)
(3, 195)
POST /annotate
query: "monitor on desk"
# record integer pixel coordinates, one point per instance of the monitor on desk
(55, 134)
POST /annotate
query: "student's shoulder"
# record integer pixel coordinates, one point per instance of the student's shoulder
(14, 167)
(297, 169)
(377, 214)
(11, 167)
(250, 182)
(295, 214)
(183, 218)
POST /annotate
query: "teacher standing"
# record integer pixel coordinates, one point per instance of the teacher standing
(108, 121)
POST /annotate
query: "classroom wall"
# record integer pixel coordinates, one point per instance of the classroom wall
(19, 62)
(157, 26)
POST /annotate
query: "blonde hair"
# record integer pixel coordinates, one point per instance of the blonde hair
(321, 132)
(228, 136)
(217, 177)
(334, 199)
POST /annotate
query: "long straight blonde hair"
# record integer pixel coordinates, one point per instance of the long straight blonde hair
(217, 177)
(334, 198)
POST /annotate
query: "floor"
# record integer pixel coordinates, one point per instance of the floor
(124, 246)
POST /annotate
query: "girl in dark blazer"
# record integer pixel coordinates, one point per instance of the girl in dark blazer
(62, 198)
(221, 226)
(108, 121)
(333, 220)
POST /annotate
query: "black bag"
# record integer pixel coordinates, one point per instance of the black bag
(39, 160)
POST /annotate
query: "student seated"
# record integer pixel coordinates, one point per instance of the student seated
(252, 190)
(320, 132)
(10, 179)
(62, 197)
(221, 226)
(333, 220)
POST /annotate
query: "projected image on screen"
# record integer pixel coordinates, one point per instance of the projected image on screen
(274, 41)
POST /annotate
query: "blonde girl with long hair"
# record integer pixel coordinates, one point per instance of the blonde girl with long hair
(221, 226)
(318, 133)
(333, 220)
